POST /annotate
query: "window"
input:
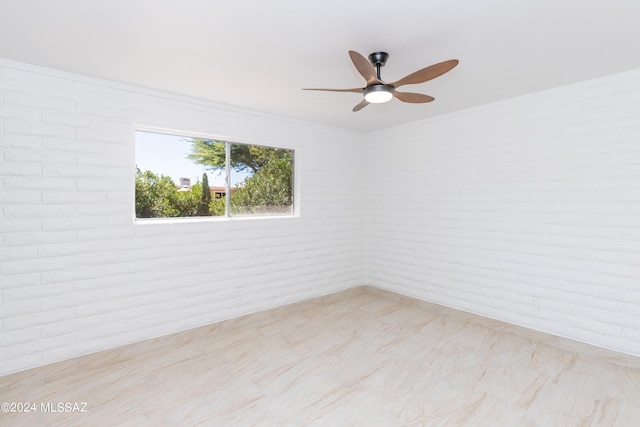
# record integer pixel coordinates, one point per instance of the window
(183, 176)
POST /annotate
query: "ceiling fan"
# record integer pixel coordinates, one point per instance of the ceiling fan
(377, 91)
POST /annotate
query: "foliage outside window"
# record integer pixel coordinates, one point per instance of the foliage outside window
(256, 180)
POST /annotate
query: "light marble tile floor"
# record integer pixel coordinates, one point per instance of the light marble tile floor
(363, 357)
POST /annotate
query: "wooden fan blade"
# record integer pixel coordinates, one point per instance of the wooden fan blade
(415, 98)
(355, 89)
(360, 105)
(426, 74)
(364, 67)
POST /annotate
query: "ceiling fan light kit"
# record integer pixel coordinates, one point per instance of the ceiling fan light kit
(377, 94)
(377, 91)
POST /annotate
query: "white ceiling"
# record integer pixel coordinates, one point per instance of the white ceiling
(259, 54)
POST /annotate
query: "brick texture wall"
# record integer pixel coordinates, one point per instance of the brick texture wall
(526, 210)
(78, 275)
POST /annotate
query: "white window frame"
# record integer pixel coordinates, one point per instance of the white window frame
(228, 169)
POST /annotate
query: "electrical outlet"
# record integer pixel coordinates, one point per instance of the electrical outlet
(534, 304)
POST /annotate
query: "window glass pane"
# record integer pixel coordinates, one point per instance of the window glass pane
(178, 176)
(261, 180)
(211, 155)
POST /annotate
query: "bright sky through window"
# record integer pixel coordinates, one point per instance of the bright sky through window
(167, 155)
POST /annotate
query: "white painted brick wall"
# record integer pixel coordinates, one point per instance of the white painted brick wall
(526, 210)
(77, 275)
